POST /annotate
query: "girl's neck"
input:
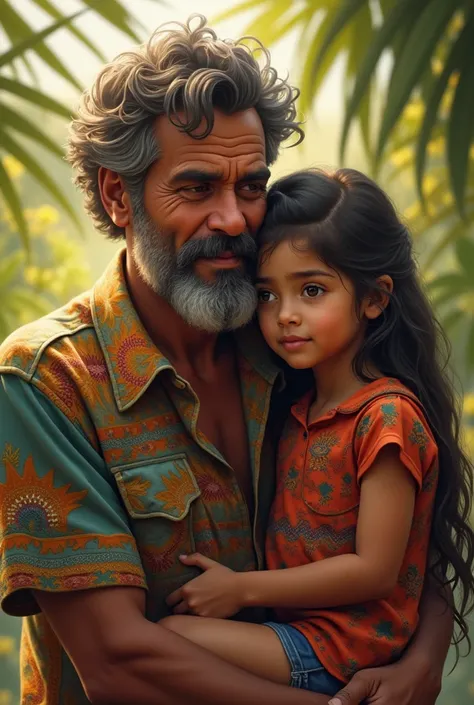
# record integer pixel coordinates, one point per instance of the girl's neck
(335, 383)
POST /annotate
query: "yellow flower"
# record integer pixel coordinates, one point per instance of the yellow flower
(5, 697)
(13, 167)
(466, 303)
(412, 211)
(32, 275)
(469, 442)
(429, 275)
(429, 184)
(7, 644)
(41, 219)
(414, 110)
(447, 198)
(456, 24)
(402, 156)
(469, 404)
(437, 146)
(436, 66)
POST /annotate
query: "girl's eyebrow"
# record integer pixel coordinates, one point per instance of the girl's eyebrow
(298, 275)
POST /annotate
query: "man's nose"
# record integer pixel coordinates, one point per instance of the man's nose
(227, 216)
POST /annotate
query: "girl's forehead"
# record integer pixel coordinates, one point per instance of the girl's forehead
(290, 254)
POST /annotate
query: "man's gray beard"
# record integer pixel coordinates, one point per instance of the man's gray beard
(227, 303)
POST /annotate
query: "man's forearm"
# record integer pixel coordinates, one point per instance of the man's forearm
(166, 669)
(435, 629)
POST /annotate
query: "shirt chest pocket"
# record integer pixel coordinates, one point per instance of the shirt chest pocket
(330, 488)
(162, 488)
(158, 497)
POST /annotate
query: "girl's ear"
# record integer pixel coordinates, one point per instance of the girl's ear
(375, 302)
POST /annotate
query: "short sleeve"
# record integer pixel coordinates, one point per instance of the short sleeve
(62, 526)
(397, 420)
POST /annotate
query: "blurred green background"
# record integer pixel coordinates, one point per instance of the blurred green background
(387, 87)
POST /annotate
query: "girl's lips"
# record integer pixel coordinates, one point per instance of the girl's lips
(294, 343)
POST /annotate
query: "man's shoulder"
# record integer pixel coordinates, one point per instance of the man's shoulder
(23, 351)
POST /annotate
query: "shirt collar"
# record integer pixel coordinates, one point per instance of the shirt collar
(354, 403)
(133, 360)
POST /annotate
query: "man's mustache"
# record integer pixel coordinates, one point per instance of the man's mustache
(242, 245)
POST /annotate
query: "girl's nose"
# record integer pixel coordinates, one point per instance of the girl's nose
(288, 316)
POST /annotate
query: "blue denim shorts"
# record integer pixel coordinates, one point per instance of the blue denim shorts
(307, 671)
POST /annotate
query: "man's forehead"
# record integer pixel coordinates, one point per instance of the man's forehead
(241, 131)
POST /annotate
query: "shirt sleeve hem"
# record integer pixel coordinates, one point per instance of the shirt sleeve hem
(407, 461)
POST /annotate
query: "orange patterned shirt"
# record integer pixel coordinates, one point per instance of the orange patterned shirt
(314, 516)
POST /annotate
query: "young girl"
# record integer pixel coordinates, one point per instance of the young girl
(370, 474)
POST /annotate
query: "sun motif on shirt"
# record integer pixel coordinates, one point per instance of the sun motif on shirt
(179, 489)
(30, 503)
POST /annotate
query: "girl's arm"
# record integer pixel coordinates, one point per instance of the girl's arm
(383, 528)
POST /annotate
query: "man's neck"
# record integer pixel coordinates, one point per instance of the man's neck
(187, 348)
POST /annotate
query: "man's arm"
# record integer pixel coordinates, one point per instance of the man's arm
(122, 658)
(416, 678)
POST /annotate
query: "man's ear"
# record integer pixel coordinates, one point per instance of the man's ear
(375, 302)
(115, 198)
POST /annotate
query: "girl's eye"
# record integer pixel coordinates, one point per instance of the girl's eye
(313, 290)
(265, 296)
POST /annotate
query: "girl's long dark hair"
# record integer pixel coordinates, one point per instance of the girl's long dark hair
(352, 225)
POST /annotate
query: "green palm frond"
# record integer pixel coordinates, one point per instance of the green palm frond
(364, 33)
(16, 94)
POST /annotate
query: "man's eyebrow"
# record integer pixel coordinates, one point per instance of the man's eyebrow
(298, 275)
(201, 176)
(197, 175)
(262, 174)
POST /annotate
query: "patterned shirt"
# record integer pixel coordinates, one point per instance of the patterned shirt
(315, 511)
(104, 476)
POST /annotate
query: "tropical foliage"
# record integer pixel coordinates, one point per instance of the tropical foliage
(56, 272)
(415, 34)
(445, 241)
(19, 90)
(408, 68)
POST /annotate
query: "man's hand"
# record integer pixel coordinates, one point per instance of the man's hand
(215, 593)
(397, 684)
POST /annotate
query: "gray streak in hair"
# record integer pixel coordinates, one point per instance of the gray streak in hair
(186, 70)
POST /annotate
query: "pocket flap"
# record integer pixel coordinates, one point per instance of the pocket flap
(160, 488)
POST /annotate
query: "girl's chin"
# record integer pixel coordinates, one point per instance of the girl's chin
(299, 364)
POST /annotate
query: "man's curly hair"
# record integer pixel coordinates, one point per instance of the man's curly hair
(184, 72)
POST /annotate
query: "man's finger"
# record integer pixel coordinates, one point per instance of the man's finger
(354, 693)
(198, 560)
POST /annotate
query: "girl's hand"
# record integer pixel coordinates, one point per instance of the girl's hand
(215, 593)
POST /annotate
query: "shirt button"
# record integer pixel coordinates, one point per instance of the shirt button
(305, 435)
(178, 383)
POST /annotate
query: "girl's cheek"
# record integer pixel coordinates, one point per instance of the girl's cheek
(266, 324)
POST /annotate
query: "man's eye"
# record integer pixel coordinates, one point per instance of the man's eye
(202, 188)
(313, 290)
(254, 189)
(265, 296)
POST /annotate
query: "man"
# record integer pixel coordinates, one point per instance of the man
(135, 425)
